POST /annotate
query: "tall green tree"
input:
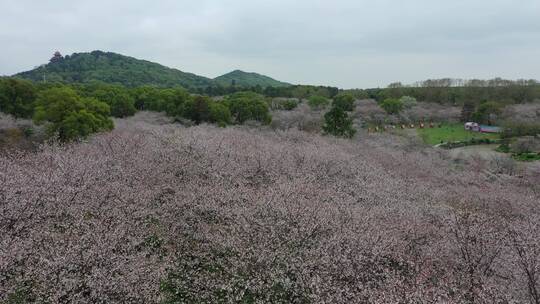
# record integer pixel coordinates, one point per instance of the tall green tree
(173, 100)
(70, 116)
(467, 111)
(17, 97)
(392, 105)
(318, 102)
(487, 112)
(220, 114)
(248, 106)
(345, 101)
(147, 98)
(338, 123)
(197, 109)
(122, 104)
(408, 101)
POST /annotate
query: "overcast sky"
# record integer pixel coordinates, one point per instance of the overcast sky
(345, 43)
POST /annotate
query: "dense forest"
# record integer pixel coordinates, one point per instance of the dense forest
(75, 111)
(114, 68)
(458, 91)
(111, 68)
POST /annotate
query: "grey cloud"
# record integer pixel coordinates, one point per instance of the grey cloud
(345, 42)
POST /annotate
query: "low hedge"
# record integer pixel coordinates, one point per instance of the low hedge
(531, 156)
(472, 142)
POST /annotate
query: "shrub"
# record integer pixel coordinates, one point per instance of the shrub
(286, 104)
(470, 142)
(318, 102)
(515, 129)
(408, 102)
(525, 145)
(528, 113)
(527, 157)
(301, 118)
(503, 148)
(289, 104)
(503, 165)
(392, 106)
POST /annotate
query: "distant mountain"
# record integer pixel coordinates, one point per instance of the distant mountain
(112, 68)
(245, 79)
(128, 71)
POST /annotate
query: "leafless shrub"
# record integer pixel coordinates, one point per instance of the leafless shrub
(19, 134)
(478, 244)
(526, 254)
(503, 165)
(9, 122)
(426, 111)
(302, 118)
(526, 144)
(369, 110)
(146, 117)
(278, 103)
(522, 113)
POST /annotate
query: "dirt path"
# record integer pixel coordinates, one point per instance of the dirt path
(484, 151)
(488, 152)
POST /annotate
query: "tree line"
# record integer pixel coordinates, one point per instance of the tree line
(458, 82)
(294, 91)
(509, 94)
(77, 110)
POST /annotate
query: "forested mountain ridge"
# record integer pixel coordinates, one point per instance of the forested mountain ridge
(246, 79)
(115, 68)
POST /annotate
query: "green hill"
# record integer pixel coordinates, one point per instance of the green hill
(112, 68)
(241, 78)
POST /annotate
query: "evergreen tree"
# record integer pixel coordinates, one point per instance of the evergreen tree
(338, 123)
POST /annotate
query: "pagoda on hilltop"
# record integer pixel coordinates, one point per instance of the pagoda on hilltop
(56, 57)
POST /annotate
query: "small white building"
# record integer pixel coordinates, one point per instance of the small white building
(472, 126)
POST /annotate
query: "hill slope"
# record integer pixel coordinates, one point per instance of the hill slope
(241, 78)
(113, 68)
(128, 71)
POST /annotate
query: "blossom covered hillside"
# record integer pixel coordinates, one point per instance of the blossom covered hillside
(154, 213)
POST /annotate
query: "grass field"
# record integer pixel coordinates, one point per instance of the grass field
(451, 133)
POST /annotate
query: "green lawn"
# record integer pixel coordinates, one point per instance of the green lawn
(451, 133)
